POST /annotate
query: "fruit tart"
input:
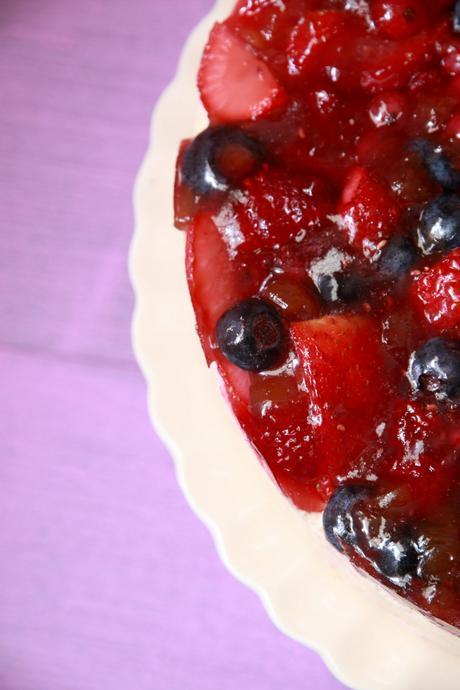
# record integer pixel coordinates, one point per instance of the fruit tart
(321, 208)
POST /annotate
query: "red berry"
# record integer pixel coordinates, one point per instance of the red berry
(342, 363)
(313, 38)
(367, 213)
(278, 207)
(399, 18)
(235, 84)
(436, 292)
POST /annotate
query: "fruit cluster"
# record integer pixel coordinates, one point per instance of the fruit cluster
(322, 210)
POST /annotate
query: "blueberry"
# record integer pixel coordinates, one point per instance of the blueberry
(437, 164)
(341, 287)
(435, 368)
(397, 555)
(439, 228)
(251, 335)
(456, 17)
(338, 521)
(398, 257)
(218, 158)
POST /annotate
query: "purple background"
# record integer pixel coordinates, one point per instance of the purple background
(107, 580)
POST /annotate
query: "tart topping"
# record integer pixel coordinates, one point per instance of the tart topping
(322, 210)
(435, 368)
(337, 516)
(250, 335)
(398, 257)
(437, 163)
(439, 228)
(456, 17)
(218, 158)
(234, 83)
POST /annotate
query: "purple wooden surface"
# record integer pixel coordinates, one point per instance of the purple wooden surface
(106, 577)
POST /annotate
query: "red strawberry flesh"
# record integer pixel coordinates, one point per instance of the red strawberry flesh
(348, 117)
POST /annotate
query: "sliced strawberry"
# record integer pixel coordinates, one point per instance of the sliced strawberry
(342, 362)
(436, 292)
(215, 285)
(419, 448)
(279, 207)
(367, 212)
(391, 64)
(313, 38)
(235, 84)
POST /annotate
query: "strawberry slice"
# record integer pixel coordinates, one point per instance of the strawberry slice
(235, 84)
(342, 362)
(313, 39)
(215, 285)
(436, 293)
(367, 212)
(279, 207)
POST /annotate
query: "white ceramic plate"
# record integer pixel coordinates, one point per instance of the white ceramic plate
(368, 637)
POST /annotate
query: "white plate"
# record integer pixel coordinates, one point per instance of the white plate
(370, 639)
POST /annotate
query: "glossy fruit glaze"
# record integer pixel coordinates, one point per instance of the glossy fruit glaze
(322, 216)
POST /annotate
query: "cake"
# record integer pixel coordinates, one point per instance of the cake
(321, 208)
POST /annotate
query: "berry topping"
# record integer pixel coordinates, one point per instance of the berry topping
(337, 517)
(292, 296)
(437, 163)
(218, 158)
(399, 18)
(235, 84)
(387, 108)
(368, 213)
(397, 555)
(435, 368)
(322, 216)
(439, 228)
(436, 292)
(277, 207)
(341, 287)
(398, 257)
(251, 335)
(456, 17)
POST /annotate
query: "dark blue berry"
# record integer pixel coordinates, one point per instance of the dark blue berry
(218, 158)
(435, 368)
(437, 164)
(398, 257)
(338, 520)
(439, 228)
(456, 17)
(396, 555)
(251, 335)
(341, 287)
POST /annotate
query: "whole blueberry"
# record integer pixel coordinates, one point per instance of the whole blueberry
(341, 287)
(218, 158)
(439, 228)
(398, 257)
(251, 335)
(338, 521)
(435, 368)
(456, 17)
(437, 164)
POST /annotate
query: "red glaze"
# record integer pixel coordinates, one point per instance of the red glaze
(335, 96)
(436, 293)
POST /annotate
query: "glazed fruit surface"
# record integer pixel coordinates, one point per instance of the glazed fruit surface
(322, 216)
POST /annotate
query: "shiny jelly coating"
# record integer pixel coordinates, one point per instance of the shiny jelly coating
(325, 194)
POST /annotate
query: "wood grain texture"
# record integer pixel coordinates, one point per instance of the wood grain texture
(106, 577)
